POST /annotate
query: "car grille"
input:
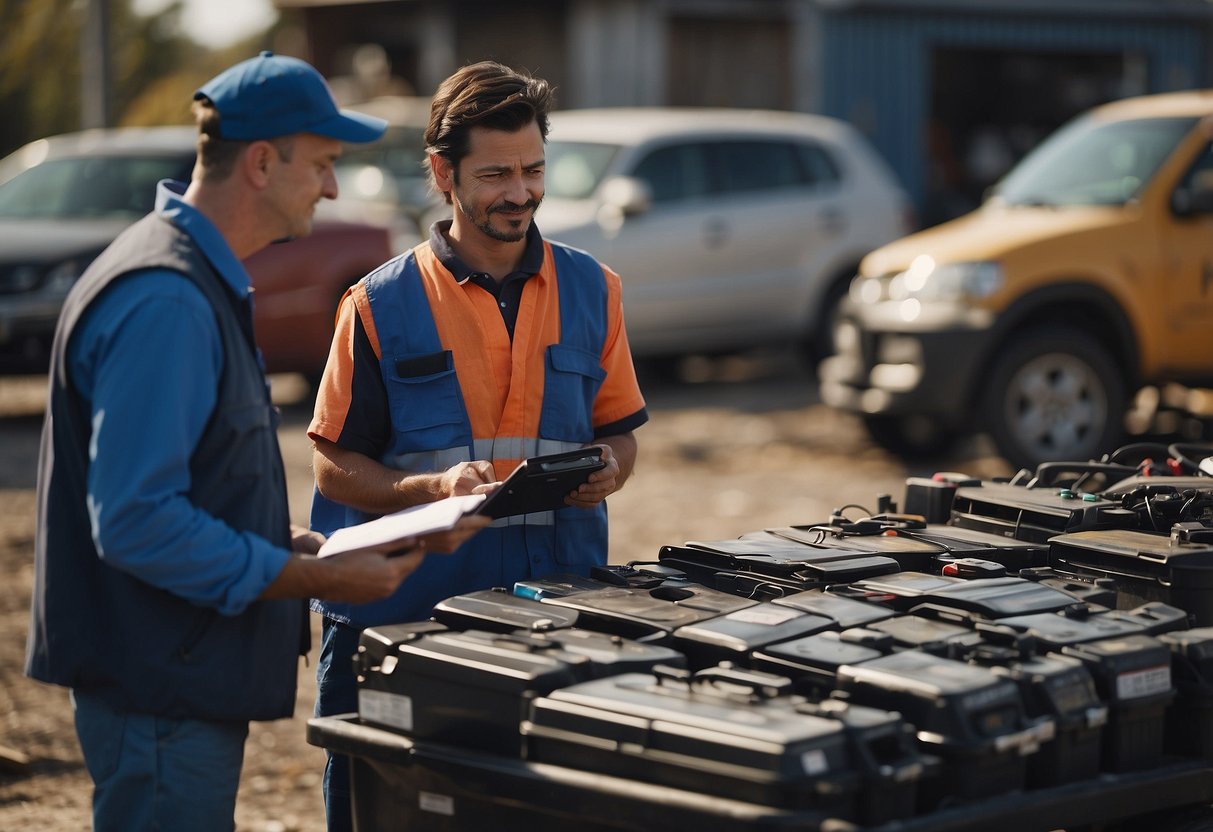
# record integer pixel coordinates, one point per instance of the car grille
(22, 277)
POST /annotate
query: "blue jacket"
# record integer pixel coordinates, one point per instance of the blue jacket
(103, 629)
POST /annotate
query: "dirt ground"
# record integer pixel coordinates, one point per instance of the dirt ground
(732, 446)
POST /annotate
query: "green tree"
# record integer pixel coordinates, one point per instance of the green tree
(154, 69)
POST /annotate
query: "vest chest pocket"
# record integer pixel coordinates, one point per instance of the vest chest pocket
(571, 384)
(249, 430)
(425, 401)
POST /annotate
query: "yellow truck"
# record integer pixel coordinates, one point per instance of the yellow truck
(1086, 275)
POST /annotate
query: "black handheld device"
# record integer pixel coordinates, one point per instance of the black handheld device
(542, 482)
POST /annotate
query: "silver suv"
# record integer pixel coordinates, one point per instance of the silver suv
(730, 228)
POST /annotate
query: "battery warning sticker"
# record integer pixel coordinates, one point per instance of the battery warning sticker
(392, 709)
(1145, 682)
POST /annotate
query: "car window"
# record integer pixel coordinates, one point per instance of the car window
(93, 186)
(676, 172)
(820, 166)
(572, 170)
(1201, 172)
(758, 165)
(1092, 162)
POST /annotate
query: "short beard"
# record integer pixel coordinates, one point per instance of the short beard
(486, 227)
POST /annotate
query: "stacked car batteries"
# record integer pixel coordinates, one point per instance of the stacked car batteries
(998, 638)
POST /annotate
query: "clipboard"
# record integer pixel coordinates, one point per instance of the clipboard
(542, 482)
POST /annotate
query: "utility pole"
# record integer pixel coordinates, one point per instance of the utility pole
(95, 75)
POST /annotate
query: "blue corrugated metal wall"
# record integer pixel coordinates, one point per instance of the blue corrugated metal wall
(877, 66)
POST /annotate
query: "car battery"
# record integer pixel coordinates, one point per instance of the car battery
(500, 611)
(931, 497)
(638, 574)
(898, 591)
(753, 585)
(913, 632)
(733, 636)
(1083, 623)
(377, 643)
(551, 586)
(729, 733)
(1133, 677)
(926, 547)
(609, 655)
(846, 612)
(1175, 569)
(968, 716)
(994, 598)
(1084, 588)
(1059, 688)
(960, 542)
(812, 662)
(761, 586)
(648, 615)
(871, 536)
(770, 556)
(885, 753)
(469, 689)
(1189, 721)
(1035, 514)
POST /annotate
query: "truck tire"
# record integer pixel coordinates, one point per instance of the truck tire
(1055, 394)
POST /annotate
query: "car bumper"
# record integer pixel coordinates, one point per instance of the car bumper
(904, 371)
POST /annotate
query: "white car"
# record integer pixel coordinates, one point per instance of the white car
(730, 228)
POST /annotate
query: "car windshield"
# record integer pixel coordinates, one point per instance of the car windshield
(1092, 162)
(574, 169)
(400, 152)
(89, 187)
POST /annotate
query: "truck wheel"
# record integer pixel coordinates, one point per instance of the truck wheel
(1055, 394)
(910, 436)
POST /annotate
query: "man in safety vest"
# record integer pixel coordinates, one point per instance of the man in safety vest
(481, 347)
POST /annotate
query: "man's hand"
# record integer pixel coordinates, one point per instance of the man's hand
(464, 477)
(452, 539)
(361, 577)
(305, 541)
(600, 485)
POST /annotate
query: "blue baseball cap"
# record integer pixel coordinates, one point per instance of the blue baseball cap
(274, 95)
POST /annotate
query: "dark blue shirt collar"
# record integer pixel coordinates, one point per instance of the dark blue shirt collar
(171, 206)
(532, 258)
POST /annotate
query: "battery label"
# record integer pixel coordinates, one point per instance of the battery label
(814, 762)
(1146, 682)
(438, 804)
(766, 616)
(392, 709)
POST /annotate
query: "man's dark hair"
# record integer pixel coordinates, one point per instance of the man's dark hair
(485, 94)
(217, 155)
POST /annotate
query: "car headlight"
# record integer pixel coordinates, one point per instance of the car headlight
(928, 280)
(60, 278)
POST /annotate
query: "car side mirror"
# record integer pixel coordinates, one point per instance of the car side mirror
(622, 197)
(1194, 198)
(627, 194)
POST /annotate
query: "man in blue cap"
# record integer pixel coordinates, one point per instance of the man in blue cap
(169, 580)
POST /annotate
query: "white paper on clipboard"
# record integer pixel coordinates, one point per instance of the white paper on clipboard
(438, 516)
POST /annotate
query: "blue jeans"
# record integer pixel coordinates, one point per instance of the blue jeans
(153, 773)
(337, 693)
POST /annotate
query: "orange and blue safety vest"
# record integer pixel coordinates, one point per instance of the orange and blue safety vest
(459, 390)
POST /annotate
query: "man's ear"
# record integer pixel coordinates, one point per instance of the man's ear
(443, 172)
(256, 162)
